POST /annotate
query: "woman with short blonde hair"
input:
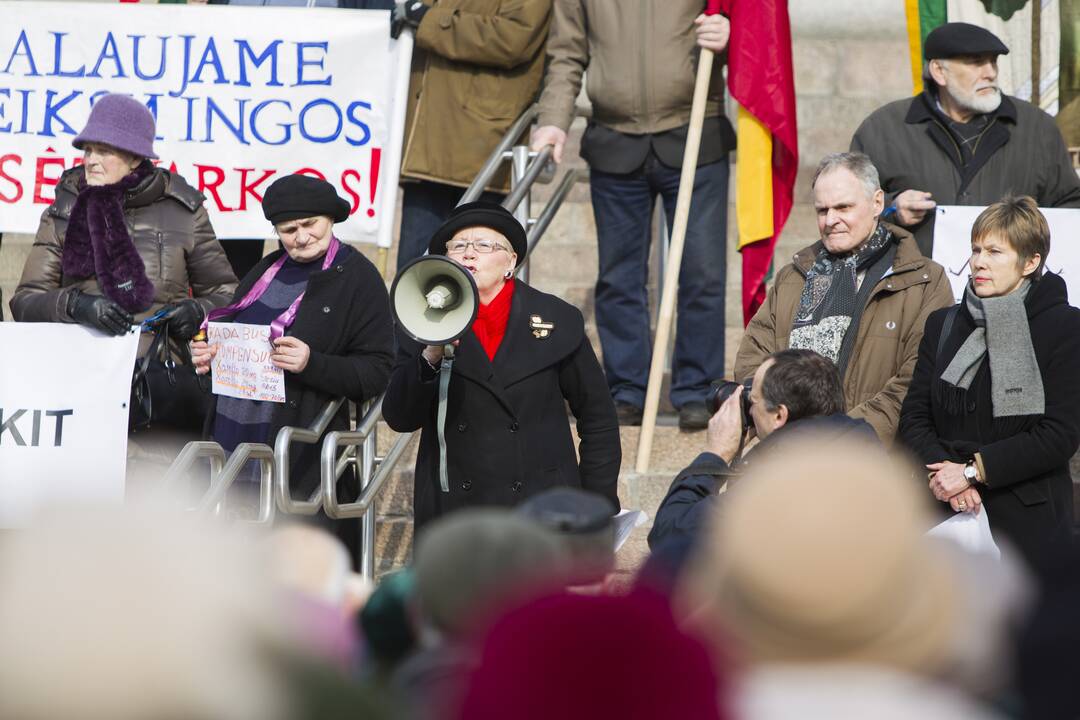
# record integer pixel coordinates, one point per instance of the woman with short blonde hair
(994, 404)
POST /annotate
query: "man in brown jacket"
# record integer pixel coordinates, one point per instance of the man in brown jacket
(859, 296)
(641, 58)
(476, 67)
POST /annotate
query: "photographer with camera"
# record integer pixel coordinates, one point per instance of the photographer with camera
(795, 394)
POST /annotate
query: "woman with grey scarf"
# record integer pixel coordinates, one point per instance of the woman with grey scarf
(994, 404)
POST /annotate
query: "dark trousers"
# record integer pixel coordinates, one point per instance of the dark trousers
(424, 207)
(243, 254)
(622, 205)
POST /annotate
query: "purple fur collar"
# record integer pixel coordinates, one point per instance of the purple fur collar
(98, 243)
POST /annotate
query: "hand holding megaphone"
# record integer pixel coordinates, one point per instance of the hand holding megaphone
(434, 353)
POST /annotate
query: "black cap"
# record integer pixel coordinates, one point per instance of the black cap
(299, 196)
(957, 38)
(569, 511)
(481, 214)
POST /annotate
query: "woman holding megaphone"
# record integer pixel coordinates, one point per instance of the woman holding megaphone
(505, 434)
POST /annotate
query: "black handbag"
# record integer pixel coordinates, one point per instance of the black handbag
(166, 393)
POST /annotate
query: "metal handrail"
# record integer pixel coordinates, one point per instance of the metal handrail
(491, 165)
(548, 213)
(525, 183)
(214, 500)
(332, 467)
(372, 489)
(283, 461)
(192, 452)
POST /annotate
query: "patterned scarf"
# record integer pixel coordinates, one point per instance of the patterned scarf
(98, 243)
(491, 319)
(832, 300)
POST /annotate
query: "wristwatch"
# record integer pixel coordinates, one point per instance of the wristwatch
(971, 474)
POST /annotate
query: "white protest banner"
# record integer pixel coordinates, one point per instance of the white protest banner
(952, 245)
(242, 368)
(64, 393)
(241, 95)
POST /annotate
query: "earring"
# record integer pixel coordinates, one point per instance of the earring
(508, 274)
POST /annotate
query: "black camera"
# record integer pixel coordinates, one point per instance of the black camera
(721, 390)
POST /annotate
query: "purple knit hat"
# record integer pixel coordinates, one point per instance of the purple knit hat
(122, 122)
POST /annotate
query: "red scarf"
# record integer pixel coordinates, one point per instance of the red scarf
(491, 319)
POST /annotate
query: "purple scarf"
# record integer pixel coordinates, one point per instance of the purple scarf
(282, 322)
(98, 243)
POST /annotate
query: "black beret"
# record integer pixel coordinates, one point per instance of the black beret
(481, 214)
(569, 511)
(299, 196)
(957, 38)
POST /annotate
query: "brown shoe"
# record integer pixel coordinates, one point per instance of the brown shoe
(627, 413)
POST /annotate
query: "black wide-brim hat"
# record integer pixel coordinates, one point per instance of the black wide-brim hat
(300, 196)
(481, 214)
(956, 38)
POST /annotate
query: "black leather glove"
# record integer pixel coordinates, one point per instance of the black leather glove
(407, 12)
(184, 319)
(99, 312)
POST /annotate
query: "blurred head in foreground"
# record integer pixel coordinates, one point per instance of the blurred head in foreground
(118, 615)
(313, 568)
(821, 557)
(581, 656)
(583, 523)
(473, 561)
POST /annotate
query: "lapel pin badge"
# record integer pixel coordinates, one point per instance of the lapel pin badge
(540, 329)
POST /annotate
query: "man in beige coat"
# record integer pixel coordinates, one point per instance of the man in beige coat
(641, 57)
(859, 296)
(476, 67)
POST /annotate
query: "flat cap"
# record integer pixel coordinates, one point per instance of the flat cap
(957, 38)
(567, 510)
(300, 196)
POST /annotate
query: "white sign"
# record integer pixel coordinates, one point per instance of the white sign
(952, 245)
(242, 96)
(242, 368)
(64, 394)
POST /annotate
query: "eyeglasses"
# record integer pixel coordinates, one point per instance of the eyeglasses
(456, 247)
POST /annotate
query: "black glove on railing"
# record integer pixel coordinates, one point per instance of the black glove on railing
(184, 319)
(99, 312)
(409, 12)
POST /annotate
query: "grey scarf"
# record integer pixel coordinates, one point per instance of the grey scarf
(1002, 330)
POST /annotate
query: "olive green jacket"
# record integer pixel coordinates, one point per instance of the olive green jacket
(476, 67)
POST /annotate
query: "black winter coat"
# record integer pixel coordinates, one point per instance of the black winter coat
(507, 433)
(345, 320)
(1028, 490)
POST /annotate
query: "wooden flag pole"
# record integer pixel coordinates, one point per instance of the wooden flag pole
(675, 251)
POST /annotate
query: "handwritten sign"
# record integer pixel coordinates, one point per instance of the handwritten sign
(241, 97)
(242, 367)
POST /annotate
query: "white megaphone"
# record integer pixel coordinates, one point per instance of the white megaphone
(434, 300)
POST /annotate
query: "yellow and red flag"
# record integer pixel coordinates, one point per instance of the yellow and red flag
(761, 80)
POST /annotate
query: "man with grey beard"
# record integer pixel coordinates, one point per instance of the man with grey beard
(962, 141)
